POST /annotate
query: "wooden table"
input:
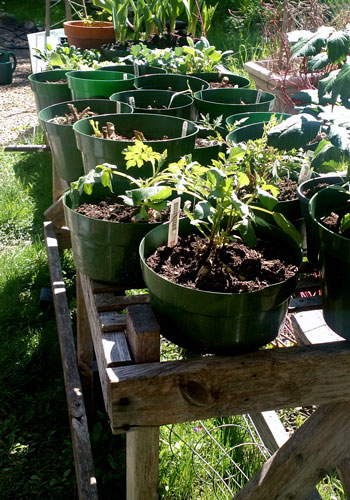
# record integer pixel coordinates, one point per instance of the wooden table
(141, 393)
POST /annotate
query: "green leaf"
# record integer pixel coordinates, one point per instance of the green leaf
(341, 85)
(345, 222)
(294, 132)
(317, 62)
(326, 155)
(306, 96)
(339, 137)
(287, 227)
(311, 44)
(338, 45)
(202, 210)
(246, 230)
(325, 85)
(266, 199)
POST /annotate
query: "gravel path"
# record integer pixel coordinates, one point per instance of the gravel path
(17, 104)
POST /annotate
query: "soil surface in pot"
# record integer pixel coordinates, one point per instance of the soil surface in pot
(202, 142)
(55, 81)
(223, 84)
(73, 116)
(109, 132)
(178, 39)
(231, 268)
(314, 189)
(113, 210)
(333, 220)
(288, 189)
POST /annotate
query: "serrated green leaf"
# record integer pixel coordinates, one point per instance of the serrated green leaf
(294, 132)
(326, 158)
(341, 85)
(312, 44)
(317, 62)
(339, 137)
(338, 45)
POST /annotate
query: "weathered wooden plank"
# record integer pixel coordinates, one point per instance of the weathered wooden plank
(178, 391)
(84, 350)
(143, 333)
(63, 238)
(55, 213)
(28, 148)
(112, 321)
(305, 458)
(305, 303)
(87, 487)
(100, 287)
(111, 302)
(116, 349)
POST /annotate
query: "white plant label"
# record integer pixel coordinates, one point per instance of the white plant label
(136, 70)
(173, 233)
(258, 97)
(125, 76)
(118, 107)
(271, 106)
(132, 101)
(184, 129)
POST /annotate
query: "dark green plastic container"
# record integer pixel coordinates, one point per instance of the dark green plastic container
(334, 257)
(46, 92)
(240, 81)
(312, 238)
(255, 117)
(130, 68)
(66, 156)
(222, 323)
(176, 83)
(104, 250)
(205, 155)
(98, 84)
(96, 151)
(227, 102)
(181, 104)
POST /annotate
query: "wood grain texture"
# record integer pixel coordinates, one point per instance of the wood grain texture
(87, 487)
(116, 349)
(179, 391)
(112, 321)
(112, 302)
(143, 333)
(55, 213)
(305, 458)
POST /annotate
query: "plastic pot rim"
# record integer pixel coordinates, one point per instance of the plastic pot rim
(189, 103)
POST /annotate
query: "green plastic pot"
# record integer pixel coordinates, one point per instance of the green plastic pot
(130, 68)
(66, 156)
(255, 117)
(176, 83)
(96, 151)
(223, 323)
(98, 84)
(334, 257)
(205, 155)
(312, 238)
(181, 104)
(47, 92)
(227, 102)
(104, 250)
(240, 81)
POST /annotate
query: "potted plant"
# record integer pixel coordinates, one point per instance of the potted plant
(97, 146)
(330, 213)
(210, 140)
(98, 84)
(162, 102)
(107, 222)
(49, 87)
(226, 102)
(57, 121)
(201, 308)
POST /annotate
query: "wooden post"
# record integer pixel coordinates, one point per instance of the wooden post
(68, 10)
(84, 350)
(142, 446)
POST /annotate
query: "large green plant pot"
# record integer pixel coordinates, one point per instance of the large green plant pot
(143, 69)
(291, 208)
(176, 83)
(334, 257)
(226, 102)
(181, 104)
(255, 117)
(98, 84)
(240, 81)
(66, 156)
(96, 151)
(312, 237)
(217, 322)
(47, 92)
(104, 250)
(205, 155)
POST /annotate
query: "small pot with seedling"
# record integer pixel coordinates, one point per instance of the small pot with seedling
(215, 289)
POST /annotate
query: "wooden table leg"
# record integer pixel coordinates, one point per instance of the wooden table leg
(142, 446)
(84, 350)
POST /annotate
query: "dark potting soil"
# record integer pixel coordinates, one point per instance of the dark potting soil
(314, 189)
(115, 211)
(288, 189)
(178, 39)
(202, 142)
(333, 220)
(222, 85)
(232, 268)
(109, 132)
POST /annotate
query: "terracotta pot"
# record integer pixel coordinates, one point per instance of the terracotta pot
(86, 36)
